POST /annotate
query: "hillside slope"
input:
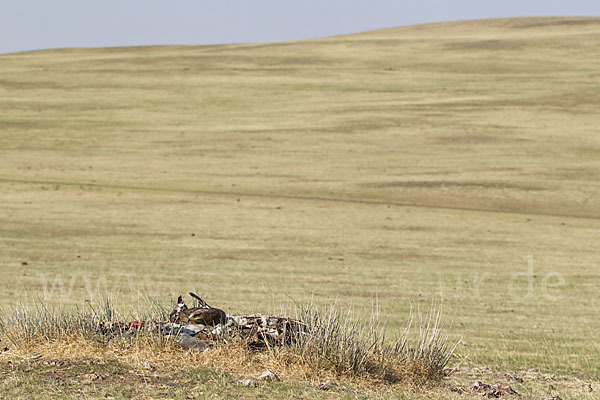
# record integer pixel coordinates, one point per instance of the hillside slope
(489, 115)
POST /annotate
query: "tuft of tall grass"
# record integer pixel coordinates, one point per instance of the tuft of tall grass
(39, 322)
(333, 339)
(27, 324)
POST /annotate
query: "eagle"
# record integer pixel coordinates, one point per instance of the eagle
(203, 315)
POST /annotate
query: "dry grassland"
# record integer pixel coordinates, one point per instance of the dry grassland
(456, 161)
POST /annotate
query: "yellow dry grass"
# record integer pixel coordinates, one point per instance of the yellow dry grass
(131, 367)
(142, 356)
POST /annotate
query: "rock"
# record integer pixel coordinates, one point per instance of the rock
(192, 343)
(268, 376)
(56, 363)
(350, 390)
(248, 382)
(192, 330)
(87, 378)
(514, 378)
(479, 386)
(505, 389)
(92, 377)
(328, 385)
(492, 391)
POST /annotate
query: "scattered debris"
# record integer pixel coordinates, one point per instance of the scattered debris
(551, 398)
(268, 375)
(492, 391)
(258, 330)
(248, 382)
(328, 385)
(207, 325)
(117, 327)
(587, 387)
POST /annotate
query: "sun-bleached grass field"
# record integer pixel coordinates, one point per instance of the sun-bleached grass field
(453, 162)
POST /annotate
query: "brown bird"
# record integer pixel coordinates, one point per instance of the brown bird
(203, 315)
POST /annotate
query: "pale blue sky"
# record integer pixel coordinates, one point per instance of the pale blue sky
(40, 24)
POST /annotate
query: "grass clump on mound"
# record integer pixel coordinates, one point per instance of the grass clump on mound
(331, 344)
(351, 347)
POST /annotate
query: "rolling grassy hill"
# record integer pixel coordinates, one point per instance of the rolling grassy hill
(456, 161)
